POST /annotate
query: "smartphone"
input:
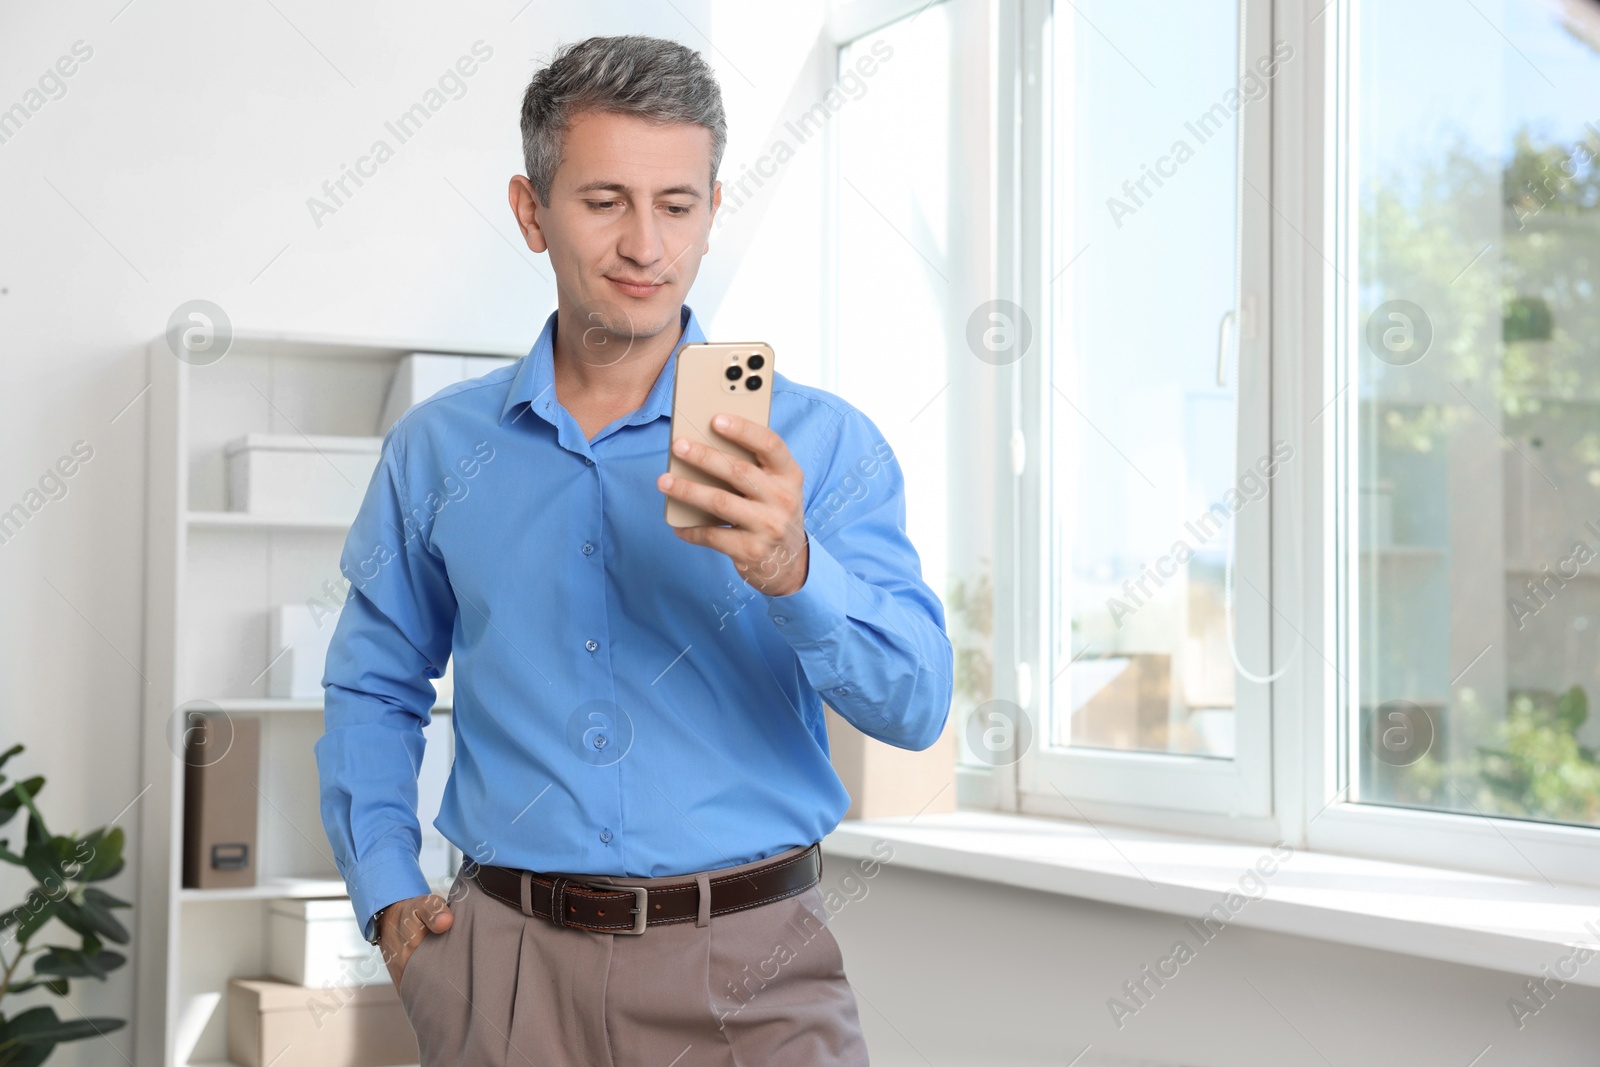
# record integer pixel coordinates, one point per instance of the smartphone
(712, 379)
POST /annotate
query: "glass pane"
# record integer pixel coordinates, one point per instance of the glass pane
(902, 232)
(1476, 205)
(1146, 108)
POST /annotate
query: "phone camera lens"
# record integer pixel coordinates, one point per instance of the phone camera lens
(733, 373)
(753, 382)
(755, 361)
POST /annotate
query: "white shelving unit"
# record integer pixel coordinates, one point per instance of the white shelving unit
(212, 576)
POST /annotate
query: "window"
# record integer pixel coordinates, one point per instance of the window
(1152, 400)
(1283, 476)
(909, 254)
(1474, 409)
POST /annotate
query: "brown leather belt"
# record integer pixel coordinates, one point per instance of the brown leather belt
(614, 909)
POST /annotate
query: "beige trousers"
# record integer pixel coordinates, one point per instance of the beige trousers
(762, 987)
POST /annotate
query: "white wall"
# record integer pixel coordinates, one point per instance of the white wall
(177, 165)
(959, 973)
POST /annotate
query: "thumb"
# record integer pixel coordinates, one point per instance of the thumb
(438, 915)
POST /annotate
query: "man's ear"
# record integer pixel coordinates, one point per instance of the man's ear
(716, 202)
(525, 208)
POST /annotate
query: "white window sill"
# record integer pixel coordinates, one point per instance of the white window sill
(1458, 917)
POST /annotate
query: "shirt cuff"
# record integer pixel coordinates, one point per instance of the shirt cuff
(817, 608)
(380, 880)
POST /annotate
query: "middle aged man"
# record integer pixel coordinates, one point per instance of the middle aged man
(635, 705)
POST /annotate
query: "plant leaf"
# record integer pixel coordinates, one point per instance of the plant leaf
(47, 859)
(97, 919)
(41, 1025)
(37, 831)
(8, 753)
(40, 910)
(70, 963)
(24, 1055)
(69, 913)
(105, 856)
(104, 899)
(29, 1021)
(11, 802)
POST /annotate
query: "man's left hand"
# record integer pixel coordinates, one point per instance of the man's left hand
(767, 539)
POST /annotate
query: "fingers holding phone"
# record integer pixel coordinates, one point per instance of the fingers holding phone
(731, 482)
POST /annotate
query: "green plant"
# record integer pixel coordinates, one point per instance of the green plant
(1541, 769)
(63, 866)
(970, 606)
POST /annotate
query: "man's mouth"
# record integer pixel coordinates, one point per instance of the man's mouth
(635, 288)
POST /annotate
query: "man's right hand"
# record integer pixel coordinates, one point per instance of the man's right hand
(404, 924)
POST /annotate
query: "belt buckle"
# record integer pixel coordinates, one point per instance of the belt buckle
(641, 894)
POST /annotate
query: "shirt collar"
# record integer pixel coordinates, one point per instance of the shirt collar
(535, 382)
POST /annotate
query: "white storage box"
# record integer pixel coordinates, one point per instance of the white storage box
(316, 942)
(300, 476)
(305, 631)
(422, 374)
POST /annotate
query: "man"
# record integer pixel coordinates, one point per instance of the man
(636, 705)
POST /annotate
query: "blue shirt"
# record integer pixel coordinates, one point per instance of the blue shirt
(625, 703)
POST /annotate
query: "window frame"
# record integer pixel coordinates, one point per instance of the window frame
(1329, 821)
(1127, 786)
(1306, 325)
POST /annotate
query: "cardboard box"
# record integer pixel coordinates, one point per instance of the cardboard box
(317, 942)
(297, 475)
(351, 1026)
(222, 756)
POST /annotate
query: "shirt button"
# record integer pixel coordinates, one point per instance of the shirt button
(842, 691)
(780, 619)
(589, 461)
(591, 644)
(599, 740)
(605, 836)
(588, 549)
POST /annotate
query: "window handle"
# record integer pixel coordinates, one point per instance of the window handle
(1228, 317)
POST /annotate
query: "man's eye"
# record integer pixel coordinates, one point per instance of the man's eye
(601, 203)
(678, 209)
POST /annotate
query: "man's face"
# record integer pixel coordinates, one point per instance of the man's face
(628, 220)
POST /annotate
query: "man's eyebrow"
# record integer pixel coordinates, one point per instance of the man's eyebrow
(617, 187)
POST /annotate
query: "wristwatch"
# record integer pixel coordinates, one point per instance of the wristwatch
(378, 925)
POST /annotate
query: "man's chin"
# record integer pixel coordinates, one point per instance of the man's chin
(614, 326)
(638, 319)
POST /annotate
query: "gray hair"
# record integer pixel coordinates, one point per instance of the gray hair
(655, 79)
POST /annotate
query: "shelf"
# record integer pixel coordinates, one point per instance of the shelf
(348, 346)
(214, 576)
(271, 889)
(265, 705)
(276, 705)
(1525, 571)
(228, 1063)
(1411, 552)
(244, 520)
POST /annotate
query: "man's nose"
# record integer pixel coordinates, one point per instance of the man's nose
(641, 240)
